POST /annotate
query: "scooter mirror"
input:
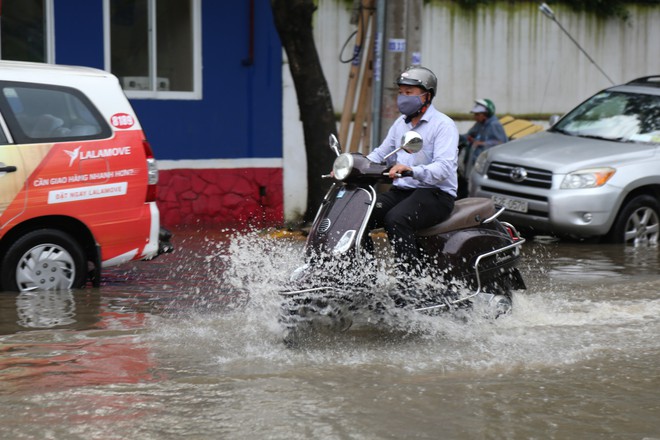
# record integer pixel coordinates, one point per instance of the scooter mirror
(334, 144)
(411, 142)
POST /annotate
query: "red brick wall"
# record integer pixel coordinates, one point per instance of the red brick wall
(224, 197)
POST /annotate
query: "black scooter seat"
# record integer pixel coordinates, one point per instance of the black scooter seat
(467, 213)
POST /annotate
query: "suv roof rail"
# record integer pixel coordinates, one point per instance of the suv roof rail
(653, 80)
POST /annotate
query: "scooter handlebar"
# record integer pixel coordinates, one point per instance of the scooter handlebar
(406, 173)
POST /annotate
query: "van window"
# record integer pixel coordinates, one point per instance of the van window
(38, 113)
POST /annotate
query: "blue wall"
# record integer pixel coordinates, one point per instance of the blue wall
(240, 115)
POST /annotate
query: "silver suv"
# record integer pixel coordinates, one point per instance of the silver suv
(594, 173)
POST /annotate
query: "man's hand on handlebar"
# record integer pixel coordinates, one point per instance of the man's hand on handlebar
(400, 170)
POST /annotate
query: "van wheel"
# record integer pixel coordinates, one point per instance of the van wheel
(45, 259)
(638, 222)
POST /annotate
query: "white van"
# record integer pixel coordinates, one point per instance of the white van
(77, 178)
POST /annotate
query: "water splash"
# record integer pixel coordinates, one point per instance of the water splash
(549, 325)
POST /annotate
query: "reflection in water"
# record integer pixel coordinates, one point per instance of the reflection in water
(61, 340)
(45, 309)
(188, 346)
(580, 262)
(57, 340)
(65, 360)
(75, 310)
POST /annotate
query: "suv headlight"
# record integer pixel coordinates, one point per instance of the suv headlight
(343, 166)
(589, 178)
(480, 163)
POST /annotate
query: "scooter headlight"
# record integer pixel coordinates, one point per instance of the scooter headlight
(343, 166)
(344, 242)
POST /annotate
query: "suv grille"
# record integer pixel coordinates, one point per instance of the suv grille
(519, 175)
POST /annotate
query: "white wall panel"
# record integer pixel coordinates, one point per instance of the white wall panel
(508, 52)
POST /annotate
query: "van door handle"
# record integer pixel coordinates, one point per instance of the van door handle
(8, 169)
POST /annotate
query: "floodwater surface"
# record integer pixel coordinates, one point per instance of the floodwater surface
(188, 346)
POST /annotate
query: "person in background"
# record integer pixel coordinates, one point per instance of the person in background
(425, 182)
(485, 133)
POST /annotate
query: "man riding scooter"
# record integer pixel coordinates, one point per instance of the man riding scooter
(425, 196)
(463, 252)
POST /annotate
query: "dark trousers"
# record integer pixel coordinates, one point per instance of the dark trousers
(402, 212)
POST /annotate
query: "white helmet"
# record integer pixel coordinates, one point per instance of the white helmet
(420, 77)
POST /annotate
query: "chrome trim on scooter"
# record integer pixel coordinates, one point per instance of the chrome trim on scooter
(516, 244)
(310, 290)
(365, 222)
(323, 202)
(494, 216)
(438, 306)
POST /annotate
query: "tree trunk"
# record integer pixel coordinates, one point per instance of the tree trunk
(293, 20)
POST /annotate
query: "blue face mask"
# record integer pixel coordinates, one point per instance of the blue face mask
(409, 104)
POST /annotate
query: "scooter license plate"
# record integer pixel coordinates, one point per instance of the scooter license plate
(510, 204)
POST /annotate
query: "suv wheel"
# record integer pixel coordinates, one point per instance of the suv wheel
(638, 222)
(45, 259)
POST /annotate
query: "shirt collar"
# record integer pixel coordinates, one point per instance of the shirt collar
(430, 111)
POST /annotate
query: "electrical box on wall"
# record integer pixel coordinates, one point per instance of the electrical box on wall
(143, 83)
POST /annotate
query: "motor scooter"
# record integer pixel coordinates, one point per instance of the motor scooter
(470, 258)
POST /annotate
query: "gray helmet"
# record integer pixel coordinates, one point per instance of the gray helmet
(420, 77)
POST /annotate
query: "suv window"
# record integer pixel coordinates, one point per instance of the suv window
(625, 117)
(40, 113)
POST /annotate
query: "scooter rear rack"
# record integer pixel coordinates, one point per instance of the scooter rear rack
(477, 271)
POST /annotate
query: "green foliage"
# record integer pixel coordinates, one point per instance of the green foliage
(601, 8)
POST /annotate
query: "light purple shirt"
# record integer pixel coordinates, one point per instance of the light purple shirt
(434, 166)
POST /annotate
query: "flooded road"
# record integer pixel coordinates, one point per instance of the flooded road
(188, 346)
